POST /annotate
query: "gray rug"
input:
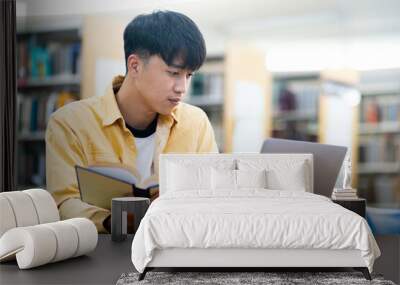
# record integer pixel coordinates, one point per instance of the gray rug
(228, 278)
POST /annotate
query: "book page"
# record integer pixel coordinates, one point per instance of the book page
(115, 172)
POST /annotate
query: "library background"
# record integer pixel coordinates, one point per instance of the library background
(254, 84)
(62, 63)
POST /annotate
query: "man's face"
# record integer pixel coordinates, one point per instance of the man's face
(162, 87)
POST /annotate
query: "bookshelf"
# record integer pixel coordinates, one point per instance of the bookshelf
(234, 91)
(48, 77)
(207, 92)
(379, 136)
(295, 103)
(317, 107)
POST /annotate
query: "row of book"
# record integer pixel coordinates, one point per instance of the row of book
(344, 194)
(207, 84)
(378, 110)
(52, 58)
(299, 96)
(34, 111)
(380, 148)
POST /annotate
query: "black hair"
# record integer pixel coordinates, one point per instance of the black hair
(170, 35)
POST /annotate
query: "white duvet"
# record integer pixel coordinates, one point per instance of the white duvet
(250, 219)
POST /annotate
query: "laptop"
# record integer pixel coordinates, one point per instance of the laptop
(328, 160)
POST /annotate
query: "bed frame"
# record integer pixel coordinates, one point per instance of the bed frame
(240, 259)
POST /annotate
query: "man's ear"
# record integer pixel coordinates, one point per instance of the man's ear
(134, 64)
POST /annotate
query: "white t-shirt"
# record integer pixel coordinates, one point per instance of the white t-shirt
(145, 145)
(145, 153)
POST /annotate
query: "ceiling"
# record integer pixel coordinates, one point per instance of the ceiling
(265, 21)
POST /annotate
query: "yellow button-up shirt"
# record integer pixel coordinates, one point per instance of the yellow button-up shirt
(93, 132)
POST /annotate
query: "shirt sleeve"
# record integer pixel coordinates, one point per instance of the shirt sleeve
(63, 152)
(206, 143)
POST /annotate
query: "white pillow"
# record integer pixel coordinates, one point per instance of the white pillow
(235, 179)
(291, 175)
(223, 179)
(295, 180)
(251, 178)
(182, 177)
(192, 173)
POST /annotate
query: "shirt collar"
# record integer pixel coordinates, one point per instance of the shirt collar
(111, 109)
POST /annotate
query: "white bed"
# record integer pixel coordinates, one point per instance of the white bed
(202, 220)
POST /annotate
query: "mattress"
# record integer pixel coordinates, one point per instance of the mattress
(250, 219)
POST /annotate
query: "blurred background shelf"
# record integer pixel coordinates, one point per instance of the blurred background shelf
(48, 69)
(206, 91)
(295, 102)
(295, 115)
(379, 147)
(50, 81)
(379, 168)
(379, 128)
(206, 100)
(32, 136)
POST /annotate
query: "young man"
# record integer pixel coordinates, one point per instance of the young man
(138, 118)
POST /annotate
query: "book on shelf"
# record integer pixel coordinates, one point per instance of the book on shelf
(206, 85)
(378, 109)
(40, 60)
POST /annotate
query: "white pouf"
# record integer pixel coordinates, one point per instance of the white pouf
(31, 230)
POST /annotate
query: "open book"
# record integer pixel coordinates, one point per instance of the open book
(99, 184)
